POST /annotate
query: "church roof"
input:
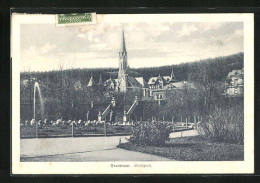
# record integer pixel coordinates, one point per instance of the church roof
(133, 82)
(141, 81)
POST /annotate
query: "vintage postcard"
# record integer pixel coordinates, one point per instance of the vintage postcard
(132, 93)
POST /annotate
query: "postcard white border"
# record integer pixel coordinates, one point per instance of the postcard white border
(162, 167)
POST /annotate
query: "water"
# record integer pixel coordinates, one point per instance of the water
(37, 87)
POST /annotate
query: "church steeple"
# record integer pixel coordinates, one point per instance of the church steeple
(172, 75)
(123, 55)
(123, 47)
(122, 72)
(100, 80)
(91, 81)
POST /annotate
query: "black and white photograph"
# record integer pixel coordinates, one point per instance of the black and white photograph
(133, 93)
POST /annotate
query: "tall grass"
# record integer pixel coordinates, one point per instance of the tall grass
(224, 125)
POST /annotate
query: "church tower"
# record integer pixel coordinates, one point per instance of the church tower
(122, 73)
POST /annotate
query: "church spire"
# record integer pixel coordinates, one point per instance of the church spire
(91, 81)
(123, 47)
(172, 75)
(122, 72)
(100, 80)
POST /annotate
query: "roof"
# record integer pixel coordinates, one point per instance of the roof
(141, 81)
(111, 80)
(133, 82)
(167, 78)
(235, 73)
(152, 80)
(179, 84)
(91, 82)
(173, 77)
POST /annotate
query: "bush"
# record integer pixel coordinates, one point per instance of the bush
(224, 125)
(151, 133)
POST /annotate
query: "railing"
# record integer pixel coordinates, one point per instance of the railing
(106, 111)
(132, 108)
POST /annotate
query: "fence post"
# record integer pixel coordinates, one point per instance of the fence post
(186, 123)
(36, 123)
(87, 115)
(72, 129)
(179, 154)
(105, 128)
(181, 118)
(172, 123)
(195, 122)
(163, 118)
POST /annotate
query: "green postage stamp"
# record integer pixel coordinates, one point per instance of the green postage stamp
(75, 19)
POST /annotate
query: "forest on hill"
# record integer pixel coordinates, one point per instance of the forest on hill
(219, 68)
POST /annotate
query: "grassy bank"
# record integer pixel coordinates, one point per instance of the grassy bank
(192, 149)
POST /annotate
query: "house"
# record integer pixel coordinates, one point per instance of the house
(159, 85)
(234, 84)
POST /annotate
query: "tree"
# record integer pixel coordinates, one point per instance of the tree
(203, 78)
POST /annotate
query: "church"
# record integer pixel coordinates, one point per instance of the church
(124, 81)
(155, 88)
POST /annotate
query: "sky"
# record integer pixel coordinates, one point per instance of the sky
(44, 47)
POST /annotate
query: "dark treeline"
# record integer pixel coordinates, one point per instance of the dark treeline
(220, 67)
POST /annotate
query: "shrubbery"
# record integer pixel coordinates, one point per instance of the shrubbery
(151, 133)
(224, 125)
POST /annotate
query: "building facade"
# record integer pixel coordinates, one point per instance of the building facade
(234, 84)
(158, 86)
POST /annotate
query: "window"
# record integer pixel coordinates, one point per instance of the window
(235, 91)
(235, 82)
